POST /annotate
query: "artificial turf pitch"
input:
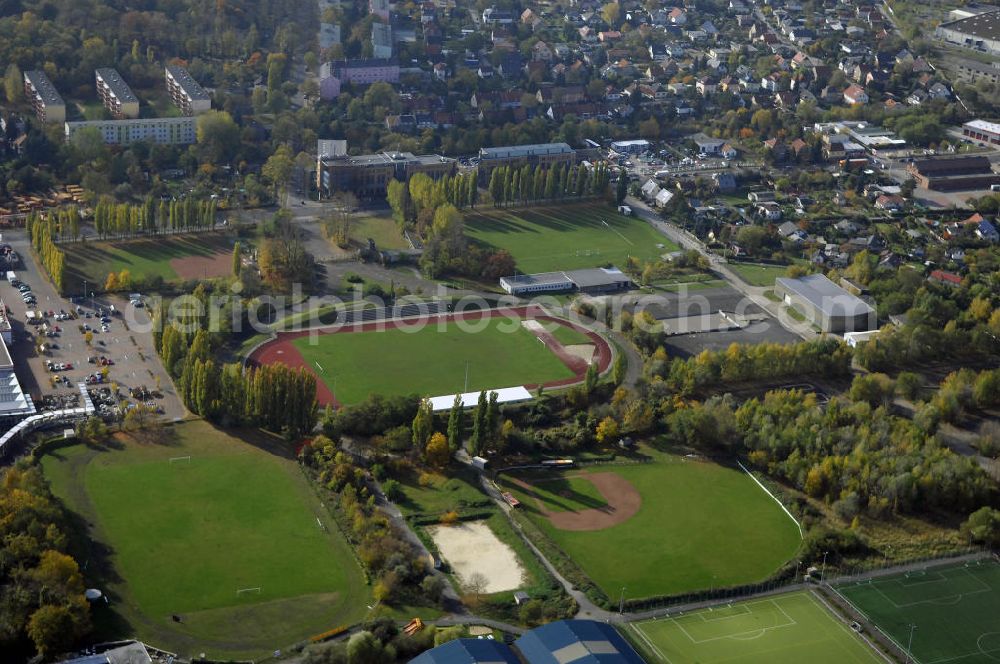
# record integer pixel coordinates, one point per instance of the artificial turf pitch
(437, 359)
(193, 522)
(956, 610)
(700, 525)
(567, 237)
(784, 629)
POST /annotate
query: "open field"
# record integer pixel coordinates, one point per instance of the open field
(224, 533)
(671, 526)
(956, 610)
(567, 237)
(785, 629)
(447, 354)
(383, 230)
(758, 275)
(436, 493)
(196, 256)
(568, 336)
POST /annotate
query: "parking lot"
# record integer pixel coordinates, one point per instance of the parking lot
(52, 354)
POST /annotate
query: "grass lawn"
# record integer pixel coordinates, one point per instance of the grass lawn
(564, 493)
(758, 275)
(435, 493)
(567, 237)
(182, 536)
(955, 609)
(678, 286)
(700, 525)
(786, 629)
(431, 361)
(142, 258)
(569, 336)
(383, 230)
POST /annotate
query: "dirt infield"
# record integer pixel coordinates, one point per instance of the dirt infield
(623, 501)
(280, 349)
(203, 267)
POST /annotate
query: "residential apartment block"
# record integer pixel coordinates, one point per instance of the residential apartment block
(379, 8)
(48, 105)
(358, 72)
(539, 154)
(185, 92)
(116, 95)
(367, 176)
(382, 40)
(165, 131)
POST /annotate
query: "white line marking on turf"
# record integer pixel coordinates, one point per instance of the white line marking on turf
(773, 497)
(652, 647)
(736, 635)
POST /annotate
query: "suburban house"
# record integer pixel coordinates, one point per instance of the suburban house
(855, 94)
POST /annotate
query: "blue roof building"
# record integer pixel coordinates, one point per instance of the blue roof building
(576, 642)
(468, 651)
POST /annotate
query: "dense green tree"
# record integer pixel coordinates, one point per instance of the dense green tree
(455, 424)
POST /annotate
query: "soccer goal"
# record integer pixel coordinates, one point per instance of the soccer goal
(180, 459)
(248, 591)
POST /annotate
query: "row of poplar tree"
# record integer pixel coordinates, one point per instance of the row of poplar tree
(120, 220)
(274, 397)
(528, 184)
(41, 230)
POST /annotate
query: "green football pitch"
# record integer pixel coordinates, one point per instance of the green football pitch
(784, 629)
(955, 610)
(698, 525)
(431, 361)
(222, 532)
(567, 237)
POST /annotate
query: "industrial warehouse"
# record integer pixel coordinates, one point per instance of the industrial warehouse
(825, 304)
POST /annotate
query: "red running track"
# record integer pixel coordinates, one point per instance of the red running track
(281, 350)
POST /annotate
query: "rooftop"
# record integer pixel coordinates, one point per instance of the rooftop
(6, 364)
(984, 26)
(468, 651)
(826, 296)
(382, 34)
(952, 165)
(43, 86)
(585, 278)
(360, 63)
(537, 149)
(576, 642)
(190, 86)
(385, 158)
(983, 125)
(119, 88)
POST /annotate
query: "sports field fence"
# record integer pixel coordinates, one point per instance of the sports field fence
(791, 576)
